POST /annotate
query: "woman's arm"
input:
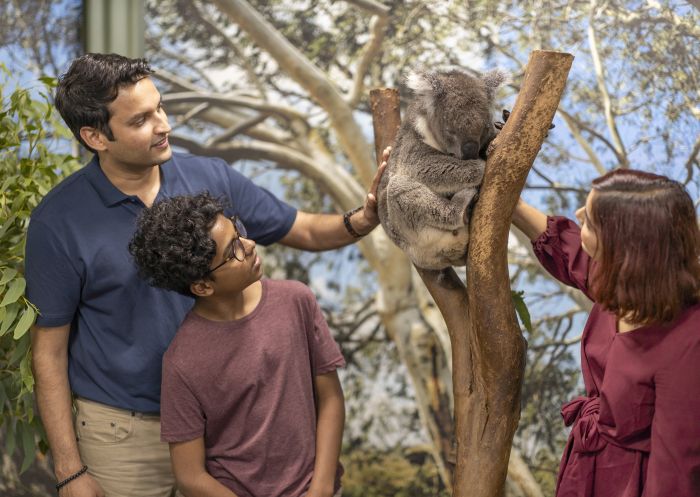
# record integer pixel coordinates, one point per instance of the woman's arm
(190, 472)
(529, 220)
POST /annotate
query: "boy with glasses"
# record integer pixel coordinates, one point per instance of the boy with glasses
(251, 403)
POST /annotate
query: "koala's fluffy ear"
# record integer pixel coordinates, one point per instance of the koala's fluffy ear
(493, 79)
(424, 84)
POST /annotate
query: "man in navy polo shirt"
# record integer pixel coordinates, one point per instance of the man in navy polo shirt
(102, 331)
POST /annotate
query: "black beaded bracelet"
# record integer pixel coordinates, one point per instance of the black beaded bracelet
(72, 477)
(346, 221)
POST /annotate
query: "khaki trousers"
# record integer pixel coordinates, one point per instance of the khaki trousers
(123, 451)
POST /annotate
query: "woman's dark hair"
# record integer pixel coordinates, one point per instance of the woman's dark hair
(649, 246)
(172, 245)
(90, 85)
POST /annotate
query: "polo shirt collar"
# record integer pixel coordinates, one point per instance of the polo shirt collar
(110, 194)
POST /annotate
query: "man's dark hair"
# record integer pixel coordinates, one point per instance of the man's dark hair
(172, 245)
(90, 85)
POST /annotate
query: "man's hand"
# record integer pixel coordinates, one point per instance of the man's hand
(83, 486)
(371, 218)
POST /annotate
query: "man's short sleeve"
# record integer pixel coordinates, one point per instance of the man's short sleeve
(267, 218)
(325, 352)
(53, 284)
(181, 416)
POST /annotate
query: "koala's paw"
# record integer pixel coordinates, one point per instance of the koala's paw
(470, 207)
(506, 114)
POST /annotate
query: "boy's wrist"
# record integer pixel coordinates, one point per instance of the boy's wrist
(321, 489)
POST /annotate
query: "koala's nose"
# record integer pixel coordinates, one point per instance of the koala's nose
(470, 150)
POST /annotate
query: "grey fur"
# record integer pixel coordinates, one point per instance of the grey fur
(437, 164)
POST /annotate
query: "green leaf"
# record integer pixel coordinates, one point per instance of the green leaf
(7, 275)
(20, 351)
(48, 81)
(24, 323)
(521, 309)
(11, 314)
(3, 394)
(14, 292)
(25, 371)
(11, 441)
(28, 446)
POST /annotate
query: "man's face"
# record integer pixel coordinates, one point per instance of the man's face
(139, 126)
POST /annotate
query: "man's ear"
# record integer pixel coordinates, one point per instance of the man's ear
(201, 288)
(94, 138)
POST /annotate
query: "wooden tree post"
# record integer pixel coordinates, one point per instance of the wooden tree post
(488, 349)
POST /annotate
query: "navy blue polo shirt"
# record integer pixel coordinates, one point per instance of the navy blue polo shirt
(79, 271)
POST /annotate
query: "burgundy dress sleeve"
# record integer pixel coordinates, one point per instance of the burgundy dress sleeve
(559, 251)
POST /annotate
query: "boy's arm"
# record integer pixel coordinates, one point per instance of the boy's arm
(329, 433)
(190, 472)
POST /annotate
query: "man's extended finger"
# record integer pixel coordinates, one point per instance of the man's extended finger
(377, 178)
(386, 153)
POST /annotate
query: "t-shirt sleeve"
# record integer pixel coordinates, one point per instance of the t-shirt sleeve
(266, 218)
(181, 415)
(325, 352)
(560, 252)
(53, 283)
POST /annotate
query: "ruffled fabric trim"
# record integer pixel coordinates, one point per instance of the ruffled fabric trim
(550, 238)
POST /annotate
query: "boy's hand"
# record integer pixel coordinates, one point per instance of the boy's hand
(315, 492)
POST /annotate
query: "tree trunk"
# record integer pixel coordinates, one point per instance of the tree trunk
(488, 349)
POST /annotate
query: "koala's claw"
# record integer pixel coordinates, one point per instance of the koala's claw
(506, 115)
(500, 124)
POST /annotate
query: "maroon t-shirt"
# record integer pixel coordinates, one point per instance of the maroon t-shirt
(246, 386)
(637, 430)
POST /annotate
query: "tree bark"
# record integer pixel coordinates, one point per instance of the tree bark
(488, 349)
(386, 117)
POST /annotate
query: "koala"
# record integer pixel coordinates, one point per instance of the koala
(437, 164)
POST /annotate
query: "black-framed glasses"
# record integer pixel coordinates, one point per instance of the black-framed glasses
(235, 250)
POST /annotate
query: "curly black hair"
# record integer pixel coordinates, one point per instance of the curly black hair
(172, 245)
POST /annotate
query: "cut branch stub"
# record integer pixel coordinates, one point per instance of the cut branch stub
(386, 117)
